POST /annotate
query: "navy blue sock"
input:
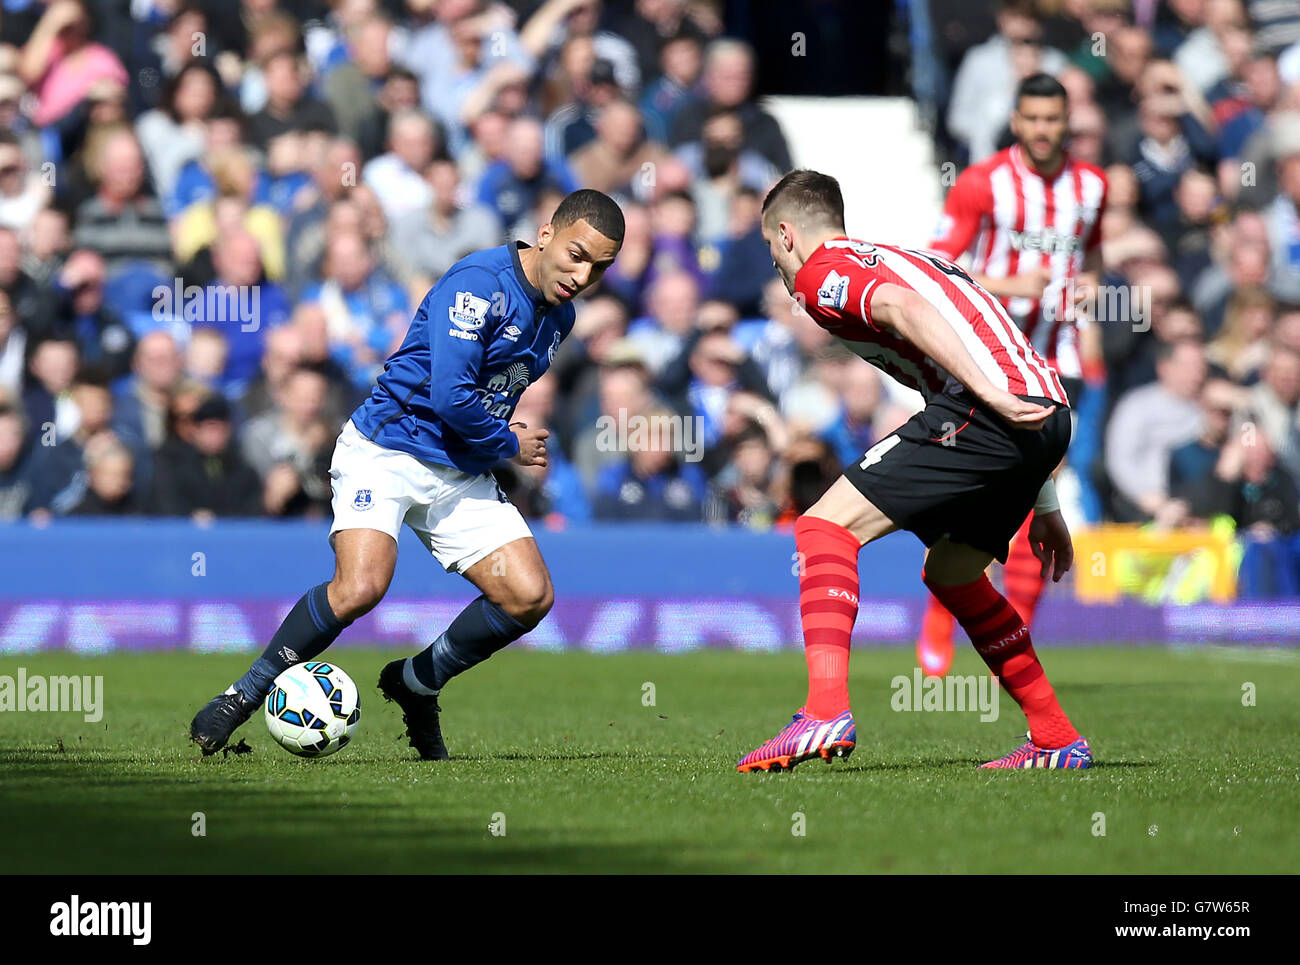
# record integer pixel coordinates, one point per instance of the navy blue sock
(310, 627)
(481, 630)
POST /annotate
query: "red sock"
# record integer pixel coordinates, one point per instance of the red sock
(828, 605)
(1022, 576)
(937, 624)
(1002, 639)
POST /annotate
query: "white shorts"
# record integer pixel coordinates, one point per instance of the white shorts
(460, 518)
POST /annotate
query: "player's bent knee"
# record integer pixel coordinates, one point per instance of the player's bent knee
(530, 601)
(356, 596)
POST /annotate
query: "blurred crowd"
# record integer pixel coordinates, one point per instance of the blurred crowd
(1193, 109)
(217, 219)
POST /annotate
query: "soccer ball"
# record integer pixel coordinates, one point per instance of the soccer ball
(313, 709)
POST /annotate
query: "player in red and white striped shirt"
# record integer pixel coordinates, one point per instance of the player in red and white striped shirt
(962, 474)
(1030, 217)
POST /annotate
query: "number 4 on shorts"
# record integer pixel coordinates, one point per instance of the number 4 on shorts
(877, 452)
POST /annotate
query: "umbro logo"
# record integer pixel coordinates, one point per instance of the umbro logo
(512, 332)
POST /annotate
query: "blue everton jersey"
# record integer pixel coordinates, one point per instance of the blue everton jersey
(479, 338)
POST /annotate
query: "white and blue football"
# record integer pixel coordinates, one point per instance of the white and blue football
(313, 709)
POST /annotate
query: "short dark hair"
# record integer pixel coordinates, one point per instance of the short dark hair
(1023, 8)
(594, 207)
(815, 195)
(1040, 85)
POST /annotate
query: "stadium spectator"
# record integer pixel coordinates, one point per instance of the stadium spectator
(855, 431)
(123, 223)
(1192, 465)
(661, 335)
(720, 166)
(511, 186)
(241, 304)
(984, 88)
(47, 241)
(1242, 345)
(1284, 217)
(1088, 127)
(654, 482)
(142, 403)
(433, 238)
(204, 476)
(679, 66)
(195, 182)
(110, 481)
(397, 177)
(28, 299)
(334, 171)
(455, 56)
(15, 461)
(746, 491)
(289, 105)
(61, 62)
(1243, 112)
(173, 134)
(78, 311)
(728, 82)
(47, 401)
(206, 356)
(784, 343)
(58, 467)
(362, 86)
(1149, 423)
(1173, 140)
(580, 86)
(717, 369)
(1260, 495)
(290, 446)
(366, 311)
(618, 159)
(1273, 407)
(232, 208)
(13, 348)
(1128, 52)
(672, 227)
(743, 256)
(599, 325)
(1239, 258)
(23, 192)
(623, 391)
(1201, 56)
(626, 278)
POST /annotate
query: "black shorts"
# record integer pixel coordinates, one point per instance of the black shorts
(956, 469)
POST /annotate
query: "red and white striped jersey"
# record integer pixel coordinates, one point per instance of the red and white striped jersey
(835, 285)
(1011, 219)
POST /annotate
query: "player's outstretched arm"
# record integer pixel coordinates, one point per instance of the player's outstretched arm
(911, 317)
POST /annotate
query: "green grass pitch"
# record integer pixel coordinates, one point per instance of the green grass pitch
(590, 779)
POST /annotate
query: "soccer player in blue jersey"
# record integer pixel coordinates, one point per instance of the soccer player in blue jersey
(419, 451)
